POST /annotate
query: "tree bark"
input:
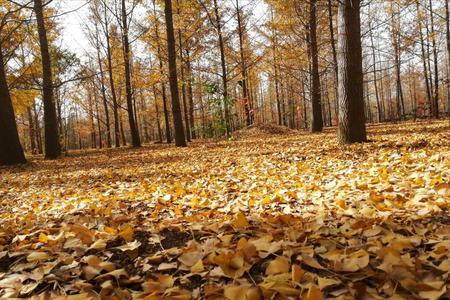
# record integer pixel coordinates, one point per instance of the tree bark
(11, 152)
(180, 139)
(352, 127)
(52, 146)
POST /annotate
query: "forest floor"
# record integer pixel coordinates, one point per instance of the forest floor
(266, 216)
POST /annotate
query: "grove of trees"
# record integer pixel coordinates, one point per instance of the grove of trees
(163, 71)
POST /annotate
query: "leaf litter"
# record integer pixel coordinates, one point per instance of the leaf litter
(265, 217)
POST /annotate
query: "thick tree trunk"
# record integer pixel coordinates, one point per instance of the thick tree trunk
(135, 139)
(316, 101)
(11, 151)
(352, 127)
(180, 139)
(52, 146)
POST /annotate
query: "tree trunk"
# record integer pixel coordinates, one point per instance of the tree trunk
(333, 48)
(447, 25)
(37, 129)
(31, 131)
(241, 28)
(316, 101)
(103, 90)
(183, 89)
(374, 71)
(163, 85)
(435, 105)
(352, 127)
(112, 84)
(423, 56)
(158, 123)
(11, 151)
(191, 96)
(223, 64)
(52, 146)
(135, 139)
(180, 140)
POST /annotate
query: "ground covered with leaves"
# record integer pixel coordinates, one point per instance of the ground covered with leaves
(284, 215)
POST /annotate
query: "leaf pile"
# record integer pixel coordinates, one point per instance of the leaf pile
(272, 217)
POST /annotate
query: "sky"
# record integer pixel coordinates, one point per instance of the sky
(74, 14)
(73, 37)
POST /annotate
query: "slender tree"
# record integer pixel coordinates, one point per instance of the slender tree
(352, 127)
(243, 64)
(161, 71)
(135, 139)
(316, 101)
(447, 25)
(333, 51)
(223, 64)
(435, 106)
(180, 139)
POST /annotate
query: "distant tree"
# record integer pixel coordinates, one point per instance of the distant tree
(180, 139)
(352, 127)
(52, 146)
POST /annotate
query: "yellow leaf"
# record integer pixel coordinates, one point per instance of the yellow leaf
(277, 266)
(356, 261)
(240, 221)
(43, 238)
(127, 233)
(297, 273)
(326, 282)
(198, 267)
(166, 281)
(313, 293)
